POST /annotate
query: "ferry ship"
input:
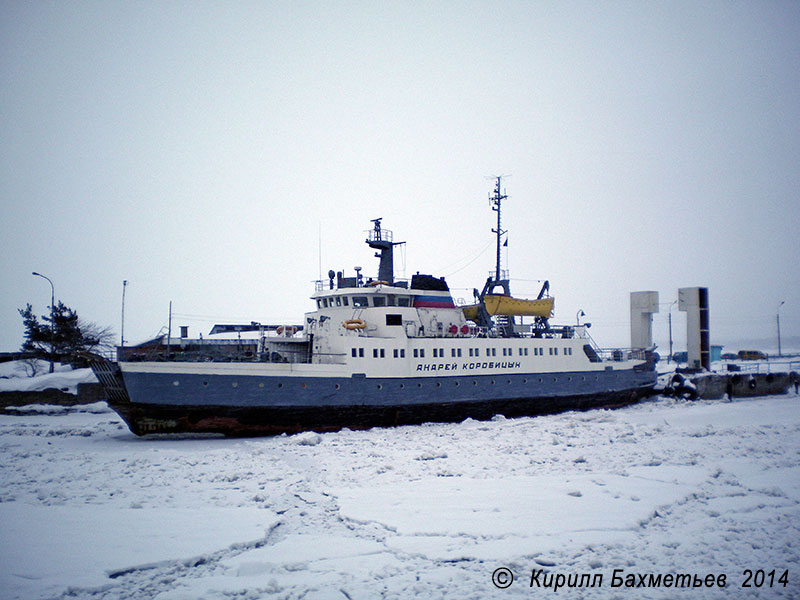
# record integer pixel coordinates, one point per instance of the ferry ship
(379, 351)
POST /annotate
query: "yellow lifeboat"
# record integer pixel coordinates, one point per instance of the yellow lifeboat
(497, 304)
(470, 312)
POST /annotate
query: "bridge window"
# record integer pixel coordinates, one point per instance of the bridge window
(394, 320)
(379, 301)
(360, 301)
(403, 301)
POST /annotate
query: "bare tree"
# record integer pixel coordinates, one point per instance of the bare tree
(97, 339)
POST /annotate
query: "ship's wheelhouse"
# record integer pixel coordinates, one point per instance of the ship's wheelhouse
(359, 299)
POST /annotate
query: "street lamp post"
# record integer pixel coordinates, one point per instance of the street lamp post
(52, 317)
(778, 319)
(122, 328)
(669, 358)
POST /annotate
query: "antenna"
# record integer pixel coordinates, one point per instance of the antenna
(169, 328)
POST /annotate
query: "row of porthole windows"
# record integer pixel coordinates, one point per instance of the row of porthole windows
(506, 352)
(455, 352)
(261, 385)
(378, 352)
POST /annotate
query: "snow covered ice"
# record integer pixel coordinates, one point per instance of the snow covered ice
(666, 486)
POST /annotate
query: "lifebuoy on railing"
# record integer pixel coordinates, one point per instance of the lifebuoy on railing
(289, 330)
(374, 283)
(465, 329)
(453, 329)
(352, 324)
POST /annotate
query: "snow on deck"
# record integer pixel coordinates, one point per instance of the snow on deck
(666, 486)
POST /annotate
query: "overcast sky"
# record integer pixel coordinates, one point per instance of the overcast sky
(210, 152)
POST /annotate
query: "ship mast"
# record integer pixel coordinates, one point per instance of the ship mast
(497, 278)
(495, 201)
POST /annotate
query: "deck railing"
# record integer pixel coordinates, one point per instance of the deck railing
(764, 366)
(621, 354)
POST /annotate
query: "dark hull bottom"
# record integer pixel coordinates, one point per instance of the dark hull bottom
(146, 419)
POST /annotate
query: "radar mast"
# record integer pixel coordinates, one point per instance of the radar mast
(496, 201)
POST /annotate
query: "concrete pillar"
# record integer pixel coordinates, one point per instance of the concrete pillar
(694, 302)
(643, 305)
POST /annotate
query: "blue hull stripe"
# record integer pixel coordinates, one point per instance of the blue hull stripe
(279, 392)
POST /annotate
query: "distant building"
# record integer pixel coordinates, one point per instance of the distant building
(715, 354)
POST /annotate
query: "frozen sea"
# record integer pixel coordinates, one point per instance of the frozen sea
(668, 486)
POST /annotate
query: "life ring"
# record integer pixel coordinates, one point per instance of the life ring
(352, 324)
(374, 283)
(465, 329)
(453, 329)
(289, 330)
